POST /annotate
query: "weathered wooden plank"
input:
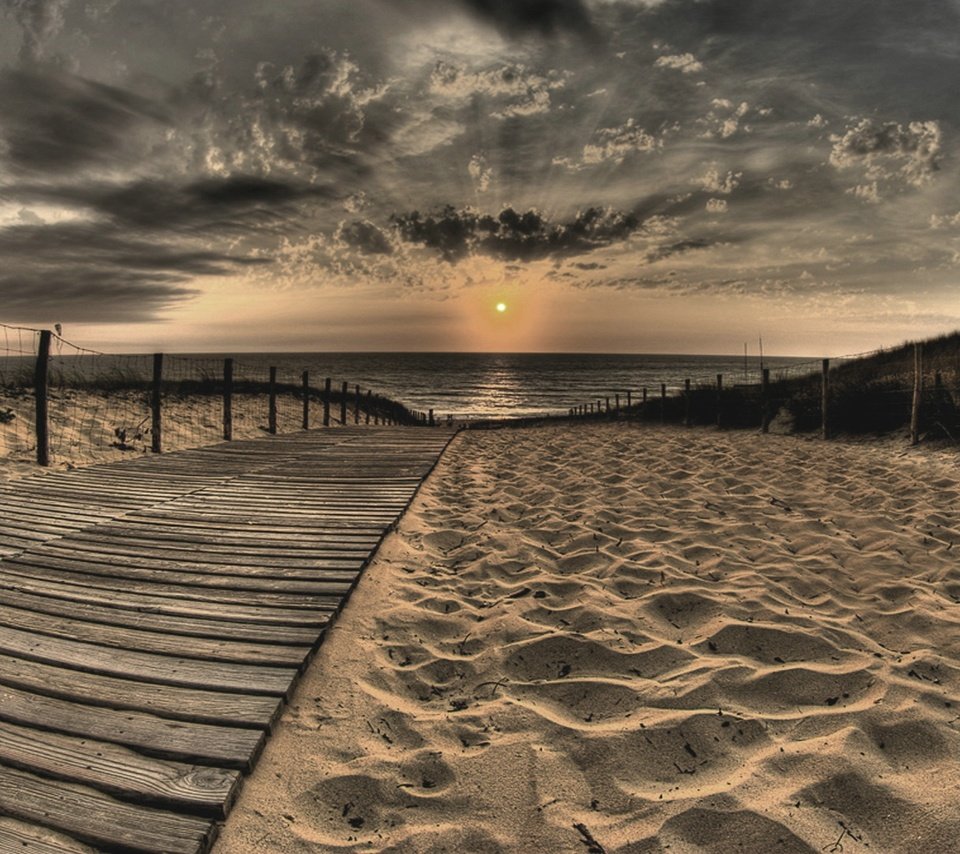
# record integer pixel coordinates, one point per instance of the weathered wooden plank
(147, 667)
(119, 771)
(98, 819)
(322, 577)
(187, 704)
(162, 605)
(260, 637)
(281, 603)
(16, 837)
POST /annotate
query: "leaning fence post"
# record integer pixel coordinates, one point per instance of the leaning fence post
(825, 400)
(765, 401)
(917, 393)
(719, 400)
(686, 403)
(156, 427)
(344, 391)
(40, 380)
(227, 399)
(306, 400)
(326, 402)
(272, 409)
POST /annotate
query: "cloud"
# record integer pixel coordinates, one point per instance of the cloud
(366, 237)
(516, 17)
(725, 118)
(39, 20)
(713, 182)
(56, 123)
(457, 233)
(522, 92)
(889, 151)
(717, 206)
(684, 62)
(210, 207)
(614, 144)
(481, 172)
(95, 273)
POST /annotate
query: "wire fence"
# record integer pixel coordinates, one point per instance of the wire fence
(65, 404)
(914, 387)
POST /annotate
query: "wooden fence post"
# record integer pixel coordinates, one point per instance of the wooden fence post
(607, 409)
(227, 399)
(629, 399)
(343, 403)
(663, 402)
(431, 418)
(686, 403)
(156, 427)
(644, 395)
(369, 397)
(765, 401)
(917, 393)
(306, 400)
(41, 407)
(326, 402)
(272, 409)
(825, 400)
(617, 402)
(356, 408)
(719, 400)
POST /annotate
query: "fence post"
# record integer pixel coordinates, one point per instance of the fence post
(431, 418)
(616, 400)
(369, 394)
(326, 402)
(227, 399)
(629, 399)
(644, 395)
(917, 393)
(686, 403)
(663, 402)
(40, 380)
(272, 410)
(156, 427)
(356, 409)
(306, 400)
(607, 409)
(825, 400)
(344, 391)
(765, 401)
(719, 400)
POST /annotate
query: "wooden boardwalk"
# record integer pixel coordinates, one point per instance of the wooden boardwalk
(155, 613)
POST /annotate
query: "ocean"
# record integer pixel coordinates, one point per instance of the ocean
(512, 385)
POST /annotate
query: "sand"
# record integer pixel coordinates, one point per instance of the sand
(624, 639)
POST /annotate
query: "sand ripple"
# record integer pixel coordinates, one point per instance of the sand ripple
(682, 641)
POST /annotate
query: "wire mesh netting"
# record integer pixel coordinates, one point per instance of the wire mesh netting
(102, 406)
(17, 402)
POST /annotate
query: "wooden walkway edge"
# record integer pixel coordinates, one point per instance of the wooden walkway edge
(155, 614)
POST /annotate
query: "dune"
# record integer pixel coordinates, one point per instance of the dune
(623, 639)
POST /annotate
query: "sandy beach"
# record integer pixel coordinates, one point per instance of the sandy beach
(624, 639)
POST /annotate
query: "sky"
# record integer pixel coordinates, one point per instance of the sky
(623, 175)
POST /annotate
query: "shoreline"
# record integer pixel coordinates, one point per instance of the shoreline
(652, 637)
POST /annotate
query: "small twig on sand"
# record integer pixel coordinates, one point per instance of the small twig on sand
(593, 846)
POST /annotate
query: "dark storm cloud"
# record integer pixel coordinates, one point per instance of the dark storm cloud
(210, 207)
(57, 123)
(366, 237)
(544, 16)
(86, 272)
(514, 236)
(39, 21)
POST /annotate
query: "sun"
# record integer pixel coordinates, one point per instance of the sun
(501, 307)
